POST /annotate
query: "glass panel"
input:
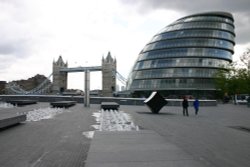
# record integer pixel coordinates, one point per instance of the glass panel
(166, 84)
(206, 18)
(194, 33)
(176, 72)
(184, 52)
(197, 42)
(180, 62)
(201, 25)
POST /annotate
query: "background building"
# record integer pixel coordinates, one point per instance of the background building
(39, 84)
(2, 87)
(183, 57)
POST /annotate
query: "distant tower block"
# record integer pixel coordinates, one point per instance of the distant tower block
(59, 78)
(108, 76)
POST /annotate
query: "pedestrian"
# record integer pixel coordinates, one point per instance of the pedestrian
(185, 106)
(196, 105)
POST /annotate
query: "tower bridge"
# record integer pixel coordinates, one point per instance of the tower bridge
(61, 70)
(60, 78)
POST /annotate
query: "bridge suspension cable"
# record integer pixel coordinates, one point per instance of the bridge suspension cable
(122, 79)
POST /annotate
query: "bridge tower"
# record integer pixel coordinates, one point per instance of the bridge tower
(108, 76)
(59, 78)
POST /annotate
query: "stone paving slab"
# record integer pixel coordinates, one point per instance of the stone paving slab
(135, 148)
(183, 163)
(54, 142)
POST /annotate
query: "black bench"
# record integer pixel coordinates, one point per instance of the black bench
(63, 104)
(110, 106)
(21, 102)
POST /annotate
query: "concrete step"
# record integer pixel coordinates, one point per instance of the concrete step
(21, 102)
(6, 121)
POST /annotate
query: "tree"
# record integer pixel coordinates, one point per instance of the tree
(245, 59)
(243, 73)
(235, 78)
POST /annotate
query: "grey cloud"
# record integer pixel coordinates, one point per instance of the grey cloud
(15, 29)
(17, 48)
(242, 27)
(193, 6)
(15, 40)
(239, 9)
(5, 62)
(6, 49)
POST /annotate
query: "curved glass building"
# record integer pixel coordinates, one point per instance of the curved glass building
(183, 57)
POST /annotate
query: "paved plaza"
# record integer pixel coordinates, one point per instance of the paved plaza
(211, 138)
(217, 137)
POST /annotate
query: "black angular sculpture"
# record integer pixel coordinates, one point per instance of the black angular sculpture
(155, 102)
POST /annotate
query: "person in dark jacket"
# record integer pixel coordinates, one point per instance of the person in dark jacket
(196, 105)
(185, 106)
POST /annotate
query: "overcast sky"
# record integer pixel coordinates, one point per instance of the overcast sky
(35, 32)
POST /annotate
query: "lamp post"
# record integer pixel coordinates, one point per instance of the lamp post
(87, 88)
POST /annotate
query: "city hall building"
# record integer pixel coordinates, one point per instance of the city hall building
(183, 58)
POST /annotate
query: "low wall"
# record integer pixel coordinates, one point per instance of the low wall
(98, 100)
(178, 102)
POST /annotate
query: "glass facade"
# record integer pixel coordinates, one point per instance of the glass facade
(183, 57)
